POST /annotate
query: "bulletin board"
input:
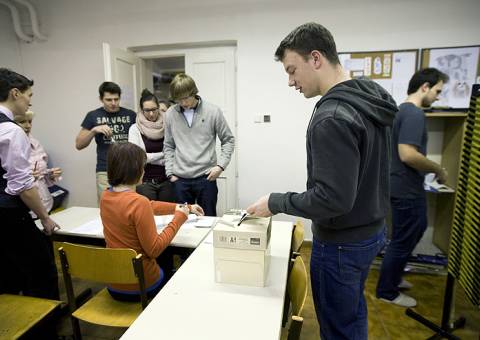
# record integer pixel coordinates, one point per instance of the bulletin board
(462, 65)
(390, 69)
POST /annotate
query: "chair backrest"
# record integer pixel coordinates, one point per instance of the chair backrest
(297, 291)
(297, 236)
(298, 285)
(106, 265)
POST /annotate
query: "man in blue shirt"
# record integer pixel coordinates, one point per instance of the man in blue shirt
(107, 124)
(408, 199)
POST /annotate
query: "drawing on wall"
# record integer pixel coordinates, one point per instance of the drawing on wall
(460, 64)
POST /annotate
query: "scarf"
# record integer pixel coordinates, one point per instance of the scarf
(151, 130)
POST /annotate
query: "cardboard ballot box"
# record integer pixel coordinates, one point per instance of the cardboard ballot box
(242, 252)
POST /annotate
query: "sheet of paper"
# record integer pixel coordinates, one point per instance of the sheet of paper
(191, 222)
(94, 227)
(205, 222)
(357, 64)
(431, 184)
(460, 64)
(163, 220)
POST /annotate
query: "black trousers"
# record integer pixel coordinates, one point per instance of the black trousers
(157, 191)
(26, 257)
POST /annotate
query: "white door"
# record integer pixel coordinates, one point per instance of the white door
(125, 69)
(213, 70)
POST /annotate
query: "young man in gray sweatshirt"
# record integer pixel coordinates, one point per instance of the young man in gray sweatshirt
(347, 196)
(191, 130)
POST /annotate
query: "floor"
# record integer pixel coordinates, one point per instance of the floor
(386, 321)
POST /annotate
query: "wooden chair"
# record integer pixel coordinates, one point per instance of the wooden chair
(105, 265)
(21, 314)
(296, 244)
(297, 290)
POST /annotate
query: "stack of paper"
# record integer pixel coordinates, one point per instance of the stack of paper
(431, 184)
(193, 221)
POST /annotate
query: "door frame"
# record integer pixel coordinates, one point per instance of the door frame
(181, 50)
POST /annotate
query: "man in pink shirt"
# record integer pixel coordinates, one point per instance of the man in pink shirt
(28, 265)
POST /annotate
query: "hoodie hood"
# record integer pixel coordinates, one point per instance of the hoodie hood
(367, 97)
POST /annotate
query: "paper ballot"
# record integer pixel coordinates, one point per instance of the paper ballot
(431, 184)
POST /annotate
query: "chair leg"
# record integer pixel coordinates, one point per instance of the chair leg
(286, 308)
(77, 335)
(83, 297)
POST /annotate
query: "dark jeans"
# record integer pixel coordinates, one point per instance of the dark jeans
(338, 273)
(409, 221)
(26, 254)
(197, 190)
(156, 191)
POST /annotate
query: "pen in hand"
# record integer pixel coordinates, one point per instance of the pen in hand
(242, 218)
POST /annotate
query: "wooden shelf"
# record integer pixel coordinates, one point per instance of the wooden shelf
(440, 192)
(446, 114)
(452, 128)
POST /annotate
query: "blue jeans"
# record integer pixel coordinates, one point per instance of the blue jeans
(409, 220)
(197, 190)
(338, 273)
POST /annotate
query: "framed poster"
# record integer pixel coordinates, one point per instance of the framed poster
(461, 64)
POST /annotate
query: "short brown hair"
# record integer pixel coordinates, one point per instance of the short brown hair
(306, 38)
(125, 163)
(182, 86)
(430, 75)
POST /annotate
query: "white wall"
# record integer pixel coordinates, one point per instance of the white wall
(9, 46)
(68, 68)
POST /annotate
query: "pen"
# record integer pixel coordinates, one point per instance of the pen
(242, 219)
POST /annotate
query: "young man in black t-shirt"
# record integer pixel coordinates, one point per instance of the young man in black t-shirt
(408, 168)
(107, 124)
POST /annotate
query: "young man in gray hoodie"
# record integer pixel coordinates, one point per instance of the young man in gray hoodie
(191, 130)
(347, 196)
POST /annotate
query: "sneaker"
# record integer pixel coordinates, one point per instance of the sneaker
(404, 284)
(402, 300)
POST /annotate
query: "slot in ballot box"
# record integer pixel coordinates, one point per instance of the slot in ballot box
(242, 252)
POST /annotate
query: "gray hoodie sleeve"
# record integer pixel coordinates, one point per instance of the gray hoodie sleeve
(168, 146)
(332, 185)
(226, 139)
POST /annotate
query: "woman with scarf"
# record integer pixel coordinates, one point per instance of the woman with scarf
(148, 133)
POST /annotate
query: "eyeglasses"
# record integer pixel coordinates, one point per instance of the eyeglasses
(155, 109)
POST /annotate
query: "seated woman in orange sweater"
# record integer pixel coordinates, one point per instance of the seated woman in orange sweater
(128, 218)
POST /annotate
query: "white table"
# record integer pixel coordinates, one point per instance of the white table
(72, 218)
(193, 306)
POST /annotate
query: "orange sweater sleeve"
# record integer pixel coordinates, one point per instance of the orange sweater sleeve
(153, 243)
(163, 208)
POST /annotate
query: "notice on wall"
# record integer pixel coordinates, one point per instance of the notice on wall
(390, 69)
